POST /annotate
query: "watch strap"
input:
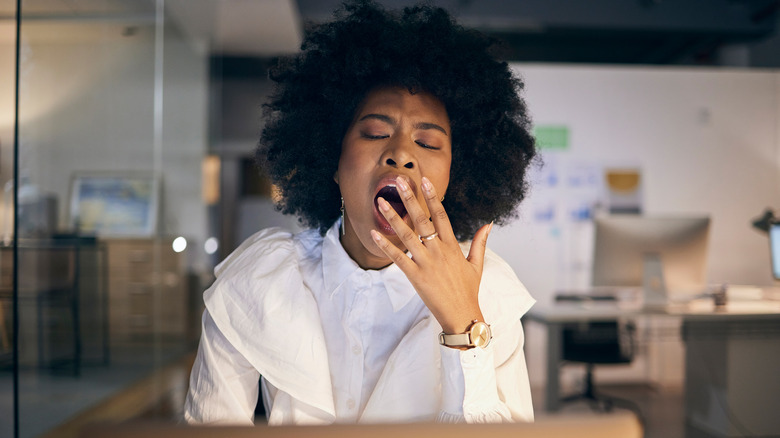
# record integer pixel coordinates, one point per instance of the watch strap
(456, 340)
(477, 334)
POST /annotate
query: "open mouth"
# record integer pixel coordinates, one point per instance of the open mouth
(390, 194)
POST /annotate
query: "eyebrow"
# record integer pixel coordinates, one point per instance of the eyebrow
(391, 121)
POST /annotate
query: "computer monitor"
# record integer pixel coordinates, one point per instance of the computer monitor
(774, 244)
(666, 256)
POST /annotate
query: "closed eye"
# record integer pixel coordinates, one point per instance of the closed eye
(426, 146)
(373, 137)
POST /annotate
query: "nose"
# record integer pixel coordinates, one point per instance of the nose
(399, 153)
(393, 163)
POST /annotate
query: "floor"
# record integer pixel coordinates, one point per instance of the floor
(662, 409)
(54, 404)
(60, 406)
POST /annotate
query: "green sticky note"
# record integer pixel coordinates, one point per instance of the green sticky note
(552, 137)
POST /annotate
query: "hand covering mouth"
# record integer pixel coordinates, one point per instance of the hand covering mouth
(390, 194)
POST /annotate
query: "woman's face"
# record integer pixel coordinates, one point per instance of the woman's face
(394, 133)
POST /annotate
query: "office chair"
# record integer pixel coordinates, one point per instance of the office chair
(55, 290)
(51, 274)
(599, 343)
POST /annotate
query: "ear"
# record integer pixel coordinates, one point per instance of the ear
(336, 176)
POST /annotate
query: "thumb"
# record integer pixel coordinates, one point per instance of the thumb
(478, 244)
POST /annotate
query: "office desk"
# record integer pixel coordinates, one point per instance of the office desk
(731, 384)
(554, 317)
(62, 301)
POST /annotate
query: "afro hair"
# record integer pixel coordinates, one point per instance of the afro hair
(421, 48)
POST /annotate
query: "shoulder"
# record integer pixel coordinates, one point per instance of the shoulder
(263, 260)
(265, 251)
(261, 274)
(500, 281)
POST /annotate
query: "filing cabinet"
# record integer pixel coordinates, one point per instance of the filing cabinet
(147, 290)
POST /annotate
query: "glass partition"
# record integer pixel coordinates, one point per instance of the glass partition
(110, 220)
(127, 173)
(8, 28)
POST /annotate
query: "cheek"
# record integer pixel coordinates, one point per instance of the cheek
(351, 161)
(347, 171)
(442, 178)
(346, 164)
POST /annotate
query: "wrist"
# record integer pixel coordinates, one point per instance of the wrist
(461, 323)
(478, 334)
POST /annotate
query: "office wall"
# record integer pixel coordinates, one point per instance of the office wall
(707, 141)
(87, 104)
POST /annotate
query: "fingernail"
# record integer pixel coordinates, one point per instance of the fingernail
(427, 186)
(490, 228)
(401, 183)
(383, 205)
(375, 235)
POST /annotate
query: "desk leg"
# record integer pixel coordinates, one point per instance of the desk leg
(552, 395)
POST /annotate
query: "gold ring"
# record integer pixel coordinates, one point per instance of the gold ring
(428, 237)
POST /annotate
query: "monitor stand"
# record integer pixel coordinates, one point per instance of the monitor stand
(653, 285)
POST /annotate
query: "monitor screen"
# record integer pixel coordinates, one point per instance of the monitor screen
(665, 253)
(774, 243)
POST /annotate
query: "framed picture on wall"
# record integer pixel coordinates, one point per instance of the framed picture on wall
(114, 204)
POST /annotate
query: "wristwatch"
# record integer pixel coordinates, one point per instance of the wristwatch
(477, 335)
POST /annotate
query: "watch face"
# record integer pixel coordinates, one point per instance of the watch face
(480, 334)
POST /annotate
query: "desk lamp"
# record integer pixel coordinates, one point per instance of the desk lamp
(764, 221)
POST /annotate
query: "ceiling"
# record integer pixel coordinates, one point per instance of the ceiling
(607, 31)
(224, 27)
(592, 31)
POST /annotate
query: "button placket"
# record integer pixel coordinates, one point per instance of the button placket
(353, 326)
(365, 278)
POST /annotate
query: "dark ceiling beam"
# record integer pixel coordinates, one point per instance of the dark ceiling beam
(603, 31)
(683, 49)
(706, 16)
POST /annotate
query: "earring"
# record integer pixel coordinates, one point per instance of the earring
(342, 217)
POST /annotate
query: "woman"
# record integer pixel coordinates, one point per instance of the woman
(395, 137)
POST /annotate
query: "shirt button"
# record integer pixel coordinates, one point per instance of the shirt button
(351, 404)
(356, 349)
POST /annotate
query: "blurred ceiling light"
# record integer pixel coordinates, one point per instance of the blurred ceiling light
(179, 244)
(211, 245)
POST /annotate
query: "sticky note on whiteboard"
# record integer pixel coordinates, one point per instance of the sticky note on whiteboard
(552, 136)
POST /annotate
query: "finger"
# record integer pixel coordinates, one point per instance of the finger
(420, 219)
(408, 237)
(397, 256)
(478, 245)
(441, 221)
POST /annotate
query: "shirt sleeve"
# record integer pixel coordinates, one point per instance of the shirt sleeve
(491, 385)
(223, 384)
(477, 390)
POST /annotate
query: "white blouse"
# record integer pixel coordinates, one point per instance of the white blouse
(336, 343)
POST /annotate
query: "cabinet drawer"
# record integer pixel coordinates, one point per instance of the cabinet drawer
(147, 290)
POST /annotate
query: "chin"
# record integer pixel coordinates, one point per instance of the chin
(376, 251)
